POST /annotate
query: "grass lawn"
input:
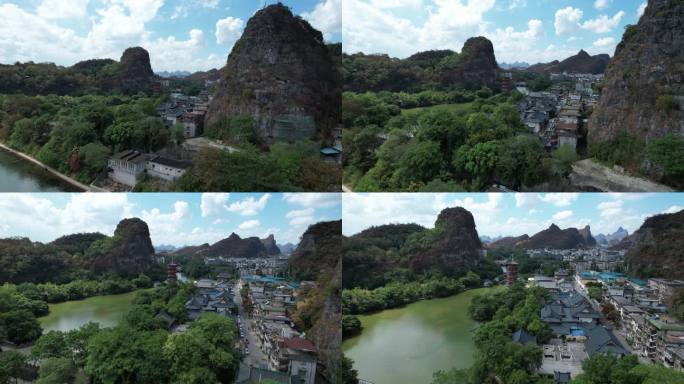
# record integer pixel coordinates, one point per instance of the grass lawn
(449, 107)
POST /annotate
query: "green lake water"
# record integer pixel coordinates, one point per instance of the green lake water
(19, 175)
(407, 345)
(106, 310)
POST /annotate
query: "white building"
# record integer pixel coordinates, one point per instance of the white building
(167, 169)
(127, 167)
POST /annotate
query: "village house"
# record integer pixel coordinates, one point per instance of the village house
(167, 169)
(127, 167)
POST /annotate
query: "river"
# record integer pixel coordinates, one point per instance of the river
(106, 310)
(407, 345)
(19, 175)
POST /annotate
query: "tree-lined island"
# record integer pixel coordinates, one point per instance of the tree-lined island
(107, 125)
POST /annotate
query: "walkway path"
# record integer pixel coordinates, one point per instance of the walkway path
(53, 171)
(589, 173)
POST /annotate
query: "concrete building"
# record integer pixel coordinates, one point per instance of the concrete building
(167, 169)
(127, 167)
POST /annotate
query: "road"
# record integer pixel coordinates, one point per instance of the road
(256, 357)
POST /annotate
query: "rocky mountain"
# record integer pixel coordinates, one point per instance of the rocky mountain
(78, 242)
(474, 67)
(191, 250)
(582, 62)
(132, 74)
(270, 245)
(128, 253)
(287, 248)
(613, 238)
(509, 242)
(235, 246)
(643, 90)
(165, 248)
(282, 74)
(212, 74)
(556, 238)
(453, 246)
(655, 249)
(319, 250)
(318, 257)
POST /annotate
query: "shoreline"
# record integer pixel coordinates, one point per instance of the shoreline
(54, 172)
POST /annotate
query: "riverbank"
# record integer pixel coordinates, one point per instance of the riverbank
(52, 171)
(407, 344)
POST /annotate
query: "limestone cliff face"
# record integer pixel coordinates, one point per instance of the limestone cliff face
(129, 252)
(135, 72)
(270, 245)
(456, 246)
(280, 70)
(648, 64)
(474, 67)
(655, 249)
(235, 246)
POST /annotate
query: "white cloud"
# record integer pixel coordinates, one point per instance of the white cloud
(59, 9)
(517, 4)
(315, 200)
(673, 209)
(603, 24)
(213, 204)
(249, 224)
(567, 19)
(602, 4)
(326, 17)
(560, 199)
(301, 217)
(32, 215)
(179, 12)
(393, 4)
(249, 206)
(562, 215)
(511, 45)
(209, 3)
(526, 200)
(604, 42)
(610, 208)
(229, 30)
(641, 9)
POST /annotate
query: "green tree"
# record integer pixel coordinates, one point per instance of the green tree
(563, 158)
(57, 370)
(421, 162)
(20, 326)
(668, 153)
(11, 363)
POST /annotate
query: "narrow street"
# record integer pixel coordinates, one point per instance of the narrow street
(255, 357)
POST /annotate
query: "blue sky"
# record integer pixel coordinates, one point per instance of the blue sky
(179, 34)
(521, 30)
(173, 218)
(510, 214)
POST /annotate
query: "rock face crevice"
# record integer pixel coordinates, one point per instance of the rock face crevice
(282, 74)
(648, 64)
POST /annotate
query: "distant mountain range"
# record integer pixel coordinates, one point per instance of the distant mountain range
(173, 74)
(552, 238)
(582, 62)
(234, 246)
(164, 248)
(611, 239)
(517, 64)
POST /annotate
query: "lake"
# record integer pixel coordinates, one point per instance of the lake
(106, 310)
(18, 175)
(408, 344)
